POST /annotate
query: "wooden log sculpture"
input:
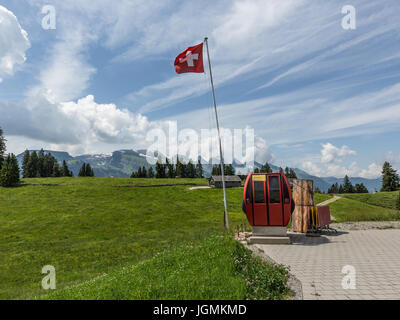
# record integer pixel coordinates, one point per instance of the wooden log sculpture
(303, 196)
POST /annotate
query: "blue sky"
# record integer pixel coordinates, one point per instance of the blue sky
(319, 97)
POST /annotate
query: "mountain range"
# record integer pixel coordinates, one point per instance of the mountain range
(122, 163)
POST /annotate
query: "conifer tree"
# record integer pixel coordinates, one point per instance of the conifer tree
(334, 188)
(347, 186)
(160, 170)
(89, 171)
(292, 174)
(56, 170)
(2, 147)
(144, 172)
(180, 169)
(150, 173)
(266, 168)
(229, 170)
(216, 170)
(199, 170)
(82, 171)
(33, 165)
(390, 179)
(360, 188)
(170, 169)
(65, 172)
(287, 172)
(25, 161)
(43, 170)
(191, 171)
(9, 172)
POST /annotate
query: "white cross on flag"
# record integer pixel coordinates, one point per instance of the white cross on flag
(190, 60)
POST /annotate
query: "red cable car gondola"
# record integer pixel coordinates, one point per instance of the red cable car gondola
(267, 200)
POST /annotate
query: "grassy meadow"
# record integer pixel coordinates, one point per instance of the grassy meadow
(86, 227)
(381, 199)
(217, 268)
(321, 197)
(345, 210)
(111, 238)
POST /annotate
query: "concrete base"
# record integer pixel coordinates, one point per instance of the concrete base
(269, 240)
(270, 231)
(269, 235)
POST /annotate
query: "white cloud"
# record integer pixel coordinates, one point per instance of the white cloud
(85, 126)
(330, 153)
(329, 164)
(336, 170)
(311, 168)
(374, 170)
(14, 43)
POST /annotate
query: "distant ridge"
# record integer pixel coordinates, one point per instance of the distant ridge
(122, 163)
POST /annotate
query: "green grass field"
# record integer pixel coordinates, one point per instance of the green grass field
(345, 210)
(382, 199)
(321, 197)
(92, 231)
(86, 227)
(217, 268)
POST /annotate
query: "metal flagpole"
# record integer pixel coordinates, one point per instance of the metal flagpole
(219, 137)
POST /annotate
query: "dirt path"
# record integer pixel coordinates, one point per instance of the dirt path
(197, 188)
(325, 203)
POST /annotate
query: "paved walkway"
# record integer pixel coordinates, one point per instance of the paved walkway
(318, 261)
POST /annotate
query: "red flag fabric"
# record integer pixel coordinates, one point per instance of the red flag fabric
(190, 60)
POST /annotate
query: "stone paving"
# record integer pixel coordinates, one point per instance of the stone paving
(318, 261)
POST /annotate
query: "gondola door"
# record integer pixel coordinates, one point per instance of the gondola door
(274, 200)
(261, 214)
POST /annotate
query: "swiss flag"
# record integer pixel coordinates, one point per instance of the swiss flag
(190, 60)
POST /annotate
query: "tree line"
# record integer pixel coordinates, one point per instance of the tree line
(266, 168)
(34, 165)
(229, 170)
(170, 170)
(347, 187)
(86, 171)
(390, 182)
(43, 165)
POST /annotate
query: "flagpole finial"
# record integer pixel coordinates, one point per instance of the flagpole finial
(206, 38)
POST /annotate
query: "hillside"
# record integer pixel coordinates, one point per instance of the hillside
(347, 210)
(215, 269)
(381, 199)
(123, 162)
(86, 227)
